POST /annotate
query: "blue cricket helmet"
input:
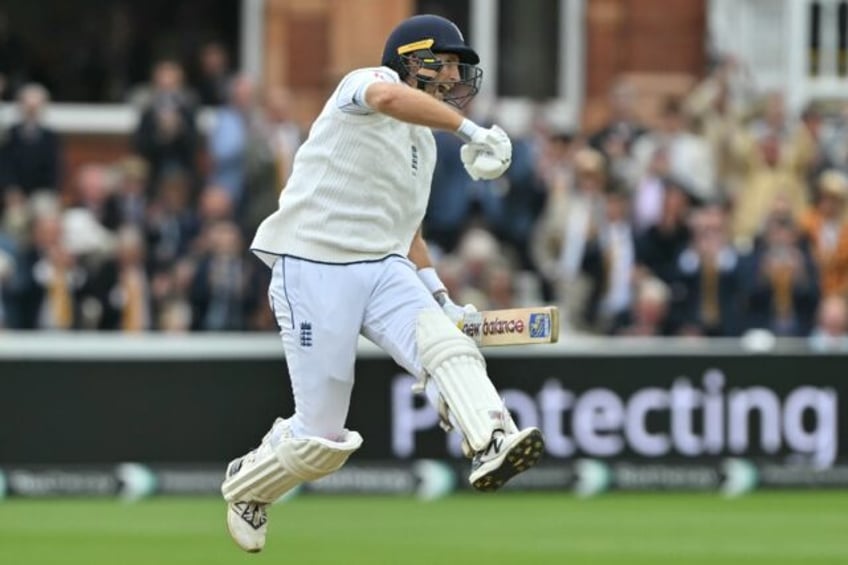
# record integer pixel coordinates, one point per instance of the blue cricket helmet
(413, 45)
(445, 36)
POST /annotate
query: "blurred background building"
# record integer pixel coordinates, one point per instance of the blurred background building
(678, 170)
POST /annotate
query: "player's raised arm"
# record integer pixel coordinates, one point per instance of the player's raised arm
(487, 152)
(443, 75)
(412, 106)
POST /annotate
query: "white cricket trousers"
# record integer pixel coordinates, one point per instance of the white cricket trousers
(322, 309)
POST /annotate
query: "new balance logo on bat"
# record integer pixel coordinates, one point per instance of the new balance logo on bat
(514, 326)
(540, 325)
(474, 325)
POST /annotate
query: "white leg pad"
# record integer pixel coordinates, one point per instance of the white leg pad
(282, 462)
(456, 365)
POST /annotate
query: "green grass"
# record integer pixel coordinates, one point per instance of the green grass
(656, 529)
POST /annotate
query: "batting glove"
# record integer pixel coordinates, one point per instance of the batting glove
(487, 152)
(455, 312)
(452, 310)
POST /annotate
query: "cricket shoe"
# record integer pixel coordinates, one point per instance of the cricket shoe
(247, 523)
(505, 457)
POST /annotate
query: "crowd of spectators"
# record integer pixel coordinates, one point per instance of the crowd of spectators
(724, 214)
(155, 240)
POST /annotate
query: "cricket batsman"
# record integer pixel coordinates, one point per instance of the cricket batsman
(348, 258)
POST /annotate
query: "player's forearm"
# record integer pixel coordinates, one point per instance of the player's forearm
(419, 254)
(413, 106)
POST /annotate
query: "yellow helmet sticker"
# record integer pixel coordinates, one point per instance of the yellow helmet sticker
(415, 46)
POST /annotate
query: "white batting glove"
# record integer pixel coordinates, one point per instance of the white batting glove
(487, 153)
(452, 310)
(455, 312)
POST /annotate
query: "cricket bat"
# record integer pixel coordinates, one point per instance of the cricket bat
(514, 326)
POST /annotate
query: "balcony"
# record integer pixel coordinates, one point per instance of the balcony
(798, 46)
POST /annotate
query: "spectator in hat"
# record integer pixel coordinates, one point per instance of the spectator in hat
(825, 226)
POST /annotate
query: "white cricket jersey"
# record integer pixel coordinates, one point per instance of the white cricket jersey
(359, 186)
